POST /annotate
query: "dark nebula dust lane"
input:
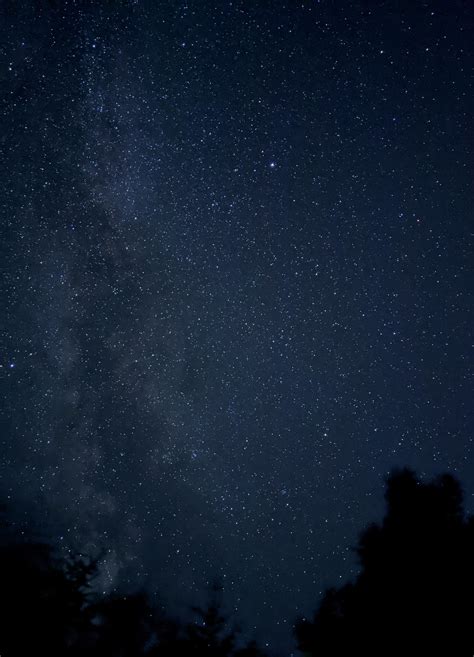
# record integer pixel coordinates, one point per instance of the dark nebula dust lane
(235, 243)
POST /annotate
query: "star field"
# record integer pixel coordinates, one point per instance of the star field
(236, 286)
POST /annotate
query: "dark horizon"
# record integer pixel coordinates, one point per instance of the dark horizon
(236, 283)
(411, 595)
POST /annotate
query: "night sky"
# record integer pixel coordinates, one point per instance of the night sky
(236, 276)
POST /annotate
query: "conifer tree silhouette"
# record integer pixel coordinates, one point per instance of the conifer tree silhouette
(49, 607)
(43, 598)
(414, 593)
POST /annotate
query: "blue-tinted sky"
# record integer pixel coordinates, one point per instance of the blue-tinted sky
(236, 287)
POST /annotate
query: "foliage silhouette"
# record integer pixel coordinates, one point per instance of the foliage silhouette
(210, 634)
(49, 607)
(413, 595)
(43, 599)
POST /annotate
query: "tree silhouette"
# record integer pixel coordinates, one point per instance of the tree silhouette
(49, 607)
(125, 626)
(210, 634)
(207, 634)
(43, 600)
(413, 595)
